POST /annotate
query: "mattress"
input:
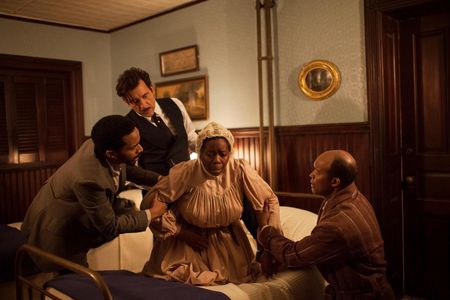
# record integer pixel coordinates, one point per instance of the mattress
(126, 285)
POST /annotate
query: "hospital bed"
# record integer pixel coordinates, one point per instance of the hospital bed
(114, 267)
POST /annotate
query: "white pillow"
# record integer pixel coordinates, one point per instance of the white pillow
(296, 223)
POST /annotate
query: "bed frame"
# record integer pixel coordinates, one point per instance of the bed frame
(128, 252)
(85, 283)
(24, 284)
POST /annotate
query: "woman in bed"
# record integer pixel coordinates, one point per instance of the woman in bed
(201, 240)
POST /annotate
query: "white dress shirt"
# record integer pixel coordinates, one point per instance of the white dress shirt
(189, 127)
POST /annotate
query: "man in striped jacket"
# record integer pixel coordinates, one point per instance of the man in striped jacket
(346, 245)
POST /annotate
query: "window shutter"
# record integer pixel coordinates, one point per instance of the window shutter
(41, 104)
(4, 143)
(35, 126)
(56, 119)
(27, 127)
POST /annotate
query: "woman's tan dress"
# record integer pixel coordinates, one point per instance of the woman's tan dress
(213, 203)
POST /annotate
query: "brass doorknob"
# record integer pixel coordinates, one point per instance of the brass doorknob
(409, 180)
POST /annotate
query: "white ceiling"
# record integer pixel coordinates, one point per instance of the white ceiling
(100, 15)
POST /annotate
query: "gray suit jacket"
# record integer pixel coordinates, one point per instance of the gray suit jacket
(78, 209)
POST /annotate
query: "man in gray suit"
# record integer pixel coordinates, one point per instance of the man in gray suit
(78, 208)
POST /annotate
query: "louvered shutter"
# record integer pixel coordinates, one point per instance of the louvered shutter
(38, 112)
(26, 100)
(4, 143)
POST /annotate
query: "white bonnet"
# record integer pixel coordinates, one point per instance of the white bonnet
(211, 130)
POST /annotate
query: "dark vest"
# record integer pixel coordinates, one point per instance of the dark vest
(162, 151)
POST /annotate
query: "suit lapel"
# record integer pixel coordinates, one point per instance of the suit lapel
(158, 138)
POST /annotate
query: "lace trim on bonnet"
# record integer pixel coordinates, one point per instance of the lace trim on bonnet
(211, 130)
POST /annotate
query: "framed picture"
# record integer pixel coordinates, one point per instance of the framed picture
(178, 61)
(193, 92)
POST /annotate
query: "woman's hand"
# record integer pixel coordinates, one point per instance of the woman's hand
(263, 216)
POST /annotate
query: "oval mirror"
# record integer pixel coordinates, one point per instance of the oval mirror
(319, 79)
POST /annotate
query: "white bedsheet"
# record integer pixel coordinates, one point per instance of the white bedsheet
(300, 284)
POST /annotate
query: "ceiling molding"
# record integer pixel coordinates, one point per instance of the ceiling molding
(92, 15)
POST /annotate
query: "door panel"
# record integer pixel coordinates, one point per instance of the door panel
(426, 139)
(408, 63)
(391, 149)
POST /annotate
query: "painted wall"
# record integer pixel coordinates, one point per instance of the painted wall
(225, 32)
(91, 48)
(321, 29)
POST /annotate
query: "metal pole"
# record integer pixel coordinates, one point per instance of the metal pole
(267, 6)
(260, 91)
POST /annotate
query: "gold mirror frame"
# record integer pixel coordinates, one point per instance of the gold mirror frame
(319, 79)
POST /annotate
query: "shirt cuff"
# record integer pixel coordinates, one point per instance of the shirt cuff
(262, 235)
(149, 216)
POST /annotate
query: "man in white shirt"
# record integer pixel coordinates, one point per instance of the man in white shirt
(167, 133)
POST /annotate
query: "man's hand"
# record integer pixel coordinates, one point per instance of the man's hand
(156, 207)
(269, 265)
(193, 236)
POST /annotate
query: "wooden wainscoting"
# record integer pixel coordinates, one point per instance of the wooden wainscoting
(297, 148)
(18, 186)
(246, 145)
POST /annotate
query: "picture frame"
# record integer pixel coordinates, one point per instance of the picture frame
(193, 92)
(319, 79)
(179, 60)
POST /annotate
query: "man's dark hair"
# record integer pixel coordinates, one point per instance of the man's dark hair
(343, 170)
(129, 79)
(108, 132)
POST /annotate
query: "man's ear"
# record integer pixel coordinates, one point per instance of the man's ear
(335, 182)
(110, 154)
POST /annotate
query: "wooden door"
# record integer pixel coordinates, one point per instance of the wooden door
(425, 98)
(408, 71)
